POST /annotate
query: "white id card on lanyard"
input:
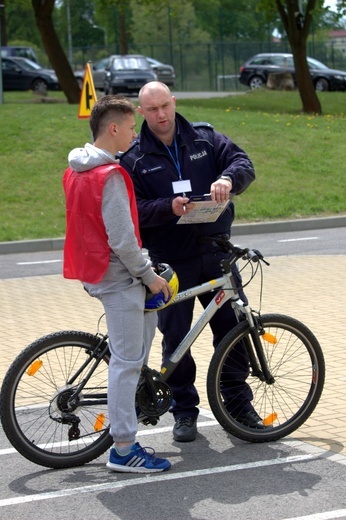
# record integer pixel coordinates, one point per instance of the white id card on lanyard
(181, 186)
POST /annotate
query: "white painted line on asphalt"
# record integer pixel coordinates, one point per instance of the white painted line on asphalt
(149, 479)
(149, 431)
(166, 429)
(339, 458)
(298, 239)
(328, 515)
(39, 262)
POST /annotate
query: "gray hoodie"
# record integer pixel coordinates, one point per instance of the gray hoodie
(126, 256)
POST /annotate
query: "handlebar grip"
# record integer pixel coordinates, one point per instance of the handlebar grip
(253, 255)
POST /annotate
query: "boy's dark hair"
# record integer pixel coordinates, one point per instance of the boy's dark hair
(107, 109)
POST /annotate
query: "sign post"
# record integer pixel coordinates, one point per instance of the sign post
(88, 94)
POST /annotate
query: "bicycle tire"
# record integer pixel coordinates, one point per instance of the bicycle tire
(296, 361)
(33, 392)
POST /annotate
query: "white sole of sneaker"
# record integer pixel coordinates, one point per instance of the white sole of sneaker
(133, 469)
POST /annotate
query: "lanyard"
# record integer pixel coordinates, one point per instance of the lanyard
(176, 158)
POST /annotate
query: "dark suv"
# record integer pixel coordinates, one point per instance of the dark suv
(127, 73)
(254, 73)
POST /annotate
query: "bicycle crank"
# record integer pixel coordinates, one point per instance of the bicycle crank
(155, 400)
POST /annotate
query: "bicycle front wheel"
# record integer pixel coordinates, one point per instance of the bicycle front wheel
(35, 412)
(296, 364)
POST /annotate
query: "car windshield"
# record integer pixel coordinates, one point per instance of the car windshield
(315, 64)
(154, 62)
(129, 64)
(29, 65)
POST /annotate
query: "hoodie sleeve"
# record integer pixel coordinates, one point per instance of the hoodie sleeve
(120, 229)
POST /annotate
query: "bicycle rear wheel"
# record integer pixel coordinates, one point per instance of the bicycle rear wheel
(34, 396)
(295, 361)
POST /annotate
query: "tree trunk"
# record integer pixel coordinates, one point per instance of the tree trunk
(311, 103)
(3, 30)
(297, 26)
(43, 10)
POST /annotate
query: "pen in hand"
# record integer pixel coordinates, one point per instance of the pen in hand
(184, 205)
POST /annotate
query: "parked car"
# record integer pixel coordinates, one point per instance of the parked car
(24, 74)
(98, 71)
(127, 74)
(164, 72)
(18, 51)
(254, 73)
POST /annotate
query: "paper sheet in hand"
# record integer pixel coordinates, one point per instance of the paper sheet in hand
(205, 210)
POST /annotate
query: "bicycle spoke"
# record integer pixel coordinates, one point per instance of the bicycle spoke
(41, 421)
(295, 362)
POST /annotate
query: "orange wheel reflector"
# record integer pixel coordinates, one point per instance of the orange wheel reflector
(100, 420)
(270, 419)
(270, 338)
(34, 367)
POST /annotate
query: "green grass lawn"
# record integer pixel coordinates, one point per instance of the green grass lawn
(299, 159)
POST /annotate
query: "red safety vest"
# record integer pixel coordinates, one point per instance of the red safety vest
(86, 249)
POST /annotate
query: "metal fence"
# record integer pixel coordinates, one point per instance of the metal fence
(212, 66)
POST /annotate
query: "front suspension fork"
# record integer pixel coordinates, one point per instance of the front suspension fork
(257, 358)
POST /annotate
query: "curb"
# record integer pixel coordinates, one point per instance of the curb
(288, 225)
(57, 244)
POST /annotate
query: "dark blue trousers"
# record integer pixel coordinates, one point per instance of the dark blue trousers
(175, 322)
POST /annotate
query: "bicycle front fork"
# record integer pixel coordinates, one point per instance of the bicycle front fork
(257, 358)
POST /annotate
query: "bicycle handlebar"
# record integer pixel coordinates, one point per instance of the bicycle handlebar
(223, 241)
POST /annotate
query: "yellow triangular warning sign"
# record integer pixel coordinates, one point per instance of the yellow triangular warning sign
(88, 94)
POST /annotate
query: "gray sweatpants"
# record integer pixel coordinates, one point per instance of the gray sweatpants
(131, 332)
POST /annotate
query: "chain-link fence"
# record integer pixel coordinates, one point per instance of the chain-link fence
(212, 66)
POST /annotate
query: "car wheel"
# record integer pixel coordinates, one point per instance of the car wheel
(256, 82)
(39, 86)
(322, 85)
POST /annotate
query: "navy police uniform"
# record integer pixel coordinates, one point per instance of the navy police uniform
(204, 155)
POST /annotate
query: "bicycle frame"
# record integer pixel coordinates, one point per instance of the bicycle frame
(226, 291)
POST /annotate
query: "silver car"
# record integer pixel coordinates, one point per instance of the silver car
(164, 72)
(98, 71)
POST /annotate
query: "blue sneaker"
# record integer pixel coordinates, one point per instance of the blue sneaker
(137, 461)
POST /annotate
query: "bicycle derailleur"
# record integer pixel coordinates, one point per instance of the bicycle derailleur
(61, 411)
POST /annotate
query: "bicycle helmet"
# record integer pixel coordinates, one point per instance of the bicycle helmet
(155, 302)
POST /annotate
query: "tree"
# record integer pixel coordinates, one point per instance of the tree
(123, 13)
(296, 17)
(297, 25)
(43, 10)
(232, 20)
(175, 22)
(80, 16)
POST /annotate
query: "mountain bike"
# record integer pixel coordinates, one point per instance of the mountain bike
(53, 401)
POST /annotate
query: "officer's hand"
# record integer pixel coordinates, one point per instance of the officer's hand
(220, 190)
(181, 206)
